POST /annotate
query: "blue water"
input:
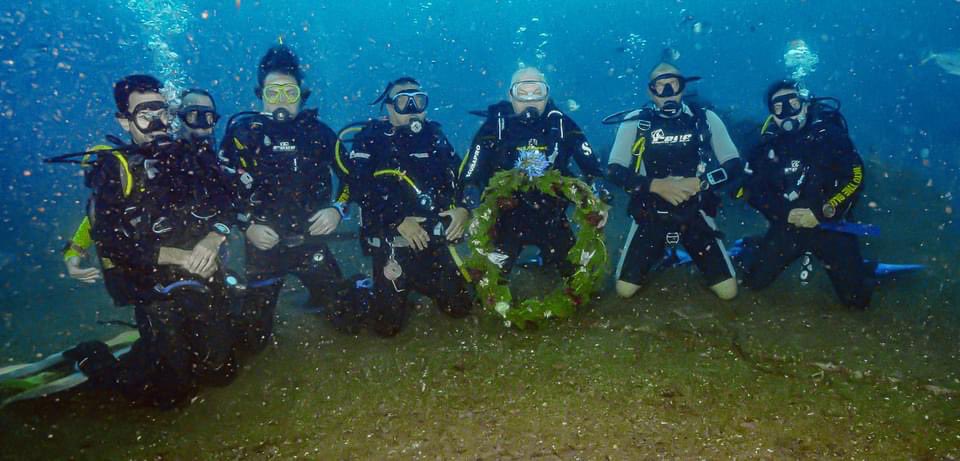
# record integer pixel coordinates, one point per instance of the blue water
(59, 59)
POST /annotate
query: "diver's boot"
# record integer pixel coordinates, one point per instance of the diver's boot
(95, 360)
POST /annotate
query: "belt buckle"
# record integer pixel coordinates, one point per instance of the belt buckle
(399, 242)
(673, 238)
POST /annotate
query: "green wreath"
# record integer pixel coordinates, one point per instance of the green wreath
(588, 255)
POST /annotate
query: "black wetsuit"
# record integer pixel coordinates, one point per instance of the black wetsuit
(143, 200)
(815, 167)
(664, 147)
(427, 160)
(281, 175)
(538, 219)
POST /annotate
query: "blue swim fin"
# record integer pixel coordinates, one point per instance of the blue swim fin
(678, 257)
(852, 228)
(886, 270)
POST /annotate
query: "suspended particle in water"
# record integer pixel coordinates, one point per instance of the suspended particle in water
(205, 15)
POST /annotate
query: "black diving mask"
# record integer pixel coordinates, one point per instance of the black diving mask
(786, 105)
(409, 102)
(149, 117)
(789, 109)
(198, 117)
(667, 85)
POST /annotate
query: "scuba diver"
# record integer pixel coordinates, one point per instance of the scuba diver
(198, 117)
(804, 177)
(158, 220)
(280, 161)
(403, 170)
(662, 159)
(530, 123)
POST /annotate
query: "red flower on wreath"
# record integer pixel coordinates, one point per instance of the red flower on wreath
(594, 219)
(475, 274)
(507, 203)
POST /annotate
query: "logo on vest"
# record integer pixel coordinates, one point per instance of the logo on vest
(793, 168)
(587, 150)
(285, 146)
(473, 161)
(532, 144)
(659, 137)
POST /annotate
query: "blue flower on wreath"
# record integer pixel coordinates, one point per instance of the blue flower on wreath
(532, 162)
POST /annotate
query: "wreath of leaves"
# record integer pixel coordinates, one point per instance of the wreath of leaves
(588, 255)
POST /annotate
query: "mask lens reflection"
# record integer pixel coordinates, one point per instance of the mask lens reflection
(289, 92)
(151, 116)
(410, 102)
(528, 90)
(199, 117)
(786, 105)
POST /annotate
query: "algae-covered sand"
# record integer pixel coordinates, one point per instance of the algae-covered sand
(674, 373)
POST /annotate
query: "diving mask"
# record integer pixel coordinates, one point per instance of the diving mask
(409, 102)
(198, 117)
(667, 85)
(275, 92)
(150, 116)
(530, 91)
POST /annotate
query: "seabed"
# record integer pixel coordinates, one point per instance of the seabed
(786, 373)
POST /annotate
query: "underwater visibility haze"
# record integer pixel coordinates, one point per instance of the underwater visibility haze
(788, 372)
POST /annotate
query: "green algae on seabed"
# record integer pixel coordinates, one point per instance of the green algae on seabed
(782, 374)
(623, 383)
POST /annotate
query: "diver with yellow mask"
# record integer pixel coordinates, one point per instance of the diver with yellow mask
(280, 161)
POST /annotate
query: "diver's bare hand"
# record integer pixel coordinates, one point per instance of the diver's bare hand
(459, 217)
(209, 271)
(203, 257)
(411, 230)
(262, 236)
(81, 274)
(674, 189)
(803, 217)
(324, 221)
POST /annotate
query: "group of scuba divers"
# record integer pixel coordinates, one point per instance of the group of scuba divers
(161, 209)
